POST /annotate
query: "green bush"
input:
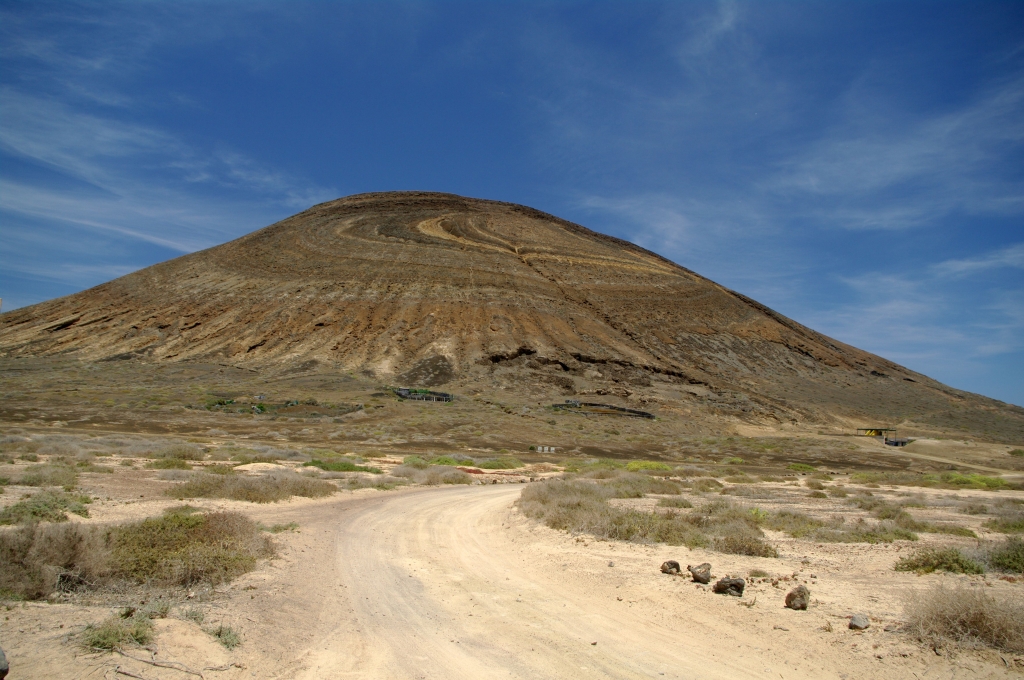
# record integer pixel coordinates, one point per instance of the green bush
(45, 506)
(184, 547)
(415, 462)
(643, 465)
(927, 560)
(801, 467)
(675, 502)
(1009, 556)
(342, 466)
(444, 460)
(1017, 452)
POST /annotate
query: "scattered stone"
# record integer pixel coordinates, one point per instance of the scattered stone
(798, 598)
(611, 564)
(730, 586)
(859, 622)
(670, 567)
(701, 573)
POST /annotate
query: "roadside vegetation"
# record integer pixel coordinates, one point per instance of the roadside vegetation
(181, 548)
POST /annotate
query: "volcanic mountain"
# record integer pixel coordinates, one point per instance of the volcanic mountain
(432, 288)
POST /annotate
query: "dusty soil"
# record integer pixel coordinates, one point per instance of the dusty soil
(454, 583)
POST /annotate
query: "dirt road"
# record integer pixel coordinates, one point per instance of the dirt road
(454, 583)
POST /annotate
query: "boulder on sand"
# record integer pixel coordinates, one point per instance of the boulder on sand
(859, 622)
(670, 567)
(701, 573)
(798, 598)
(730, 586)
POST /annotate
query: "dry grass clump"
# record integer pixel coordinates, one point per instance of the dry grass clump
(180, 548)
(927, 560)
(268, 488)
(433, 475)
(967, 617)
(169, 464)
(45, 506)
(675, 502)
(1010, 524)
(380, 483)
(631, 485)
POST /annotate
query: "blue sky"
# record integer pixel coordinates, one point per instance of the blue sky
(858, 166)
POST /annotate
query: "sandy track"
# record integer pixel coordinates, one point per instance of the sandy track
(454, 583)
(436, 589)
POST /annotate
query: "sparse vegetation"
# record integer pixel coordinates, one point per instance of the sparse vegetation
(432, 475)
(500, 463)
(927, 560)
(1013, 524)
(674, 502)
(581, 506)
(50, 474)
(275, 486)
(118, 632)
(1019, 453)
(800, 467)
(169, 464)
(967, 617)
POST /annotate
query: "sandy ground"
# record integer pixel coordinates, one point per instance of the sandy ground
(454, 583)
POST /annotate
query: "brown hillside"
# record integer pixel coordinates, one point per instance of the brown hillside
(431, 288)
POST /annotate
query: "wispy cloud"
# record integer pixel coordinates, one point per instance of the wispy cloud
(1011, 256)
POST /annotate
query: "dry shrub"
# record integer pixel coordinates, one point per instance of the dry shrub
(180, 548)
(433, 475)
(967, 617)
(169, 464)
(275, 486)
(49, 475)
(581, 507)
(1009, 556)
(181, 452)
(37, 559)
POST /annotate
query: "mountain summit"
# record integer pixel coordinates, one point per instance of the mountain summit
(432, 287)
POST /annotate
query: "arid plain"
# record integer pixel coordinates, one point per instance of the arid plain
(258, 502)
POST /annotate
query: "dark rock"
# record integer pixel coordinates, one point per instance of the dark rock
(859, 622)
(730, 586)
(701, 573)
(798, 598)
(670, 567)
(3, 665)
